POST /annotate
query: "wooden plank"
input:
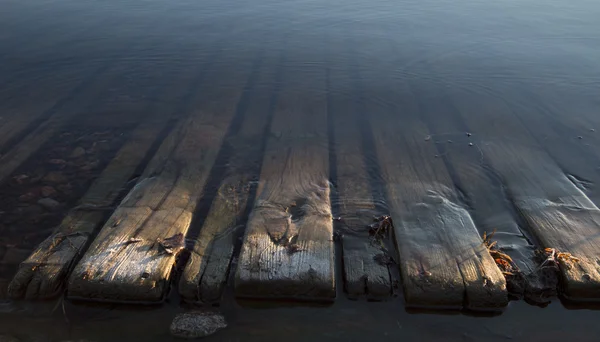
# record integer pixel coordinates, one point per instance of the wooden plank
(131, 258)
(442, 259)
(357, 201)
(558, 213)
(482, 189)
(288, 246)
(42, 275)
(562, 124)
(206, 271)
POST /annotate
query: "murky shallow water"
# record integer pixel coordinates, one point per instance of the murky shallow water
(97, 68)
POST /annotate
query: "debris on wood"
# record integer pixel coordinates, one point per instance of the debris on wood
(537, 286)
(383, 224)
(173, 244)
(503, 260)
(550, 257)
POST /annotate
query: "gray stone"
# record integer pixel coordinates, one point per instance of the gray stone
(78, 152)
(197, 324)
(49, 203)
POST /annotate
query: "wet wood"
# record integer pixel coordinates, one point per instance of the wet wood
(207, 269)
(562, 126)
(482, 189)
(42, 275)
(365, 269)
(288, 247)
(442, 259)
(132, 257)
(558, 213)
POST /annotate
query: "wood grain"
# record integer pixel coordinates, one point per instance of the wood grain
(42, 275)
(558, 213)
(206, 271)
(442, 259)
(128, 260)
(355, 201)
(482, 189)
(288, 247)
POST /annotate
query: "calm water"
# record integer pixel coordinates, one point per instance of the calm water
(98, 68)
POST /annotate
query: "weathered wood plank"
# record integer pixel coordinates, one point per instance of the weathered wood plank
(132, 257)
(288, 245)
(365, 273)
(483, 190)
(16, 155)
(561, 121)
(206, 271)
(558, 213)
(443, 262)
(43, 273)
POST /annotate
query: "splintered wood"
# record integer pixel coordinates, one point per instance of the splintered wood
(132, 257)
(557, 212)
(288, 246)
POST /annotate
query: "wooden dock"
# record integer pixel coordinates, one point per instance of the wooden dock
(254, 181)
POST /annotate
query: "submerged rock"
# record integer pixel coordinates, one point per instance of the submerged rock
(78, 152)
(49, 203)
(197, 324)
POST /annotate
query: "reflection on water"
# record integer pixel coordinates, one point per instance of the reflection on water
(86, 73)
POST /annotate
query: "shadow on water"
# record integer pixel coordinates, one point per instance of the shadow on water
(78, 77)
